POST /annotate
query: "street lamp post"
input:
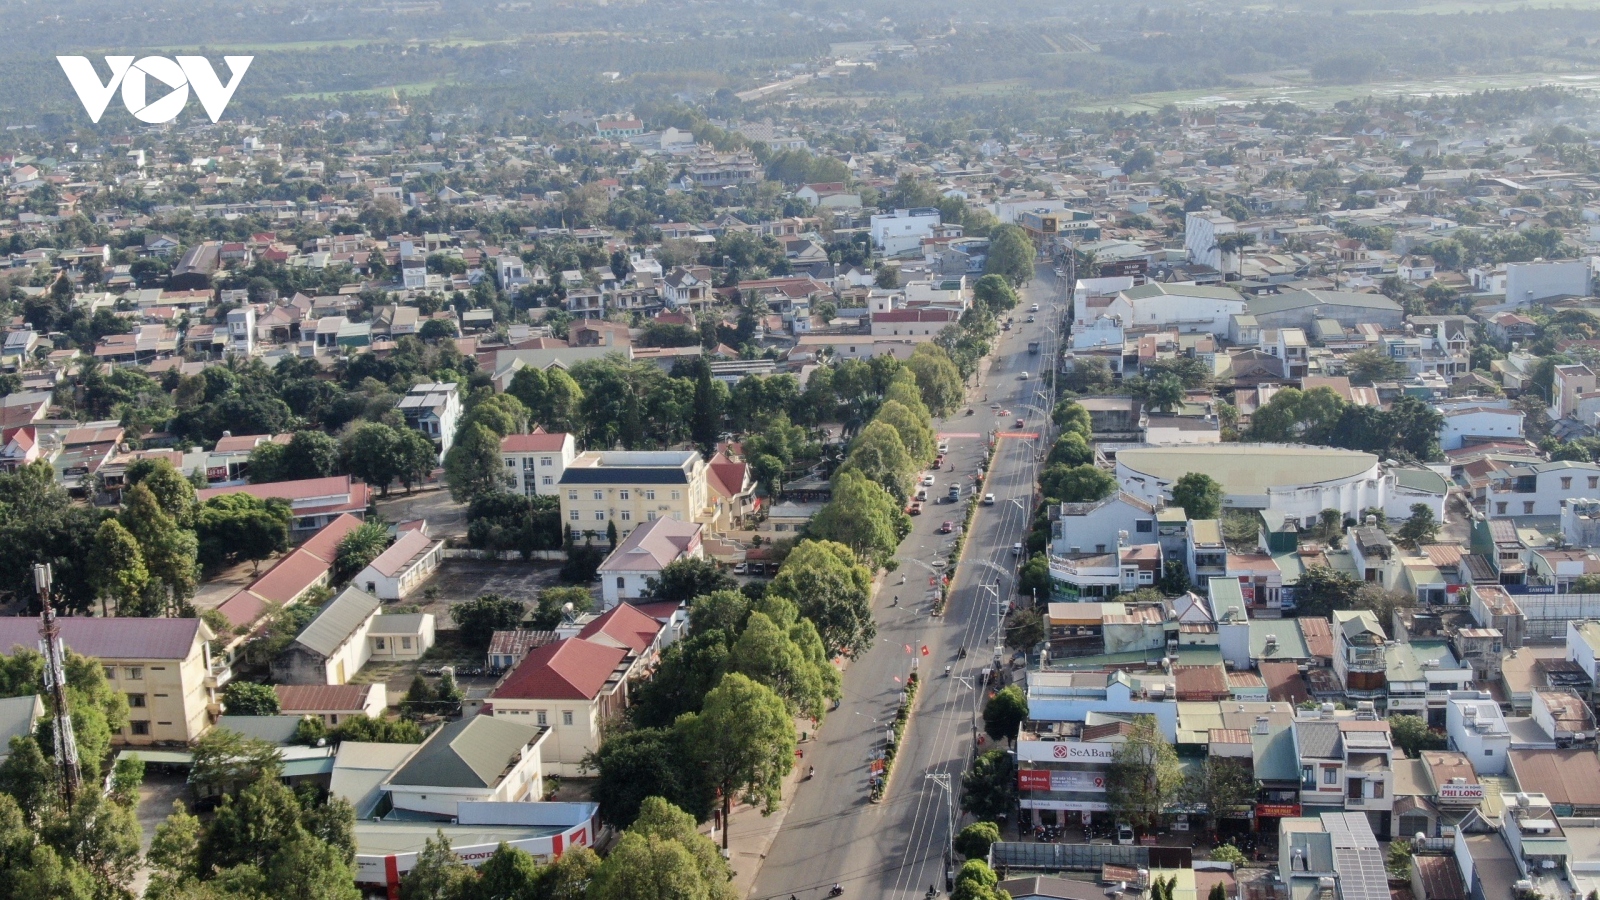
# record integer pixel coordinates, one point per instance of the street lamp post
(942, 779)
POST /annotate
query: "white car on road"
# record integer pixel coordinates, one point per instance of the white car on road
(928, 480)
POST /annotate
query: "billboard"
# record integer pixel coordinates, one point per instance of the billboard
(1065, 751)
(1060, 780)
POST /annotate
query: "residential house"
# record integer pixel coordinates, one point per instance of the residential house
(626, 573)
(315, 502)
(628, 488)
(434, 410)
(1540, 488)
(401, 636)
(535, 462)
(572, 687)
(334, 646)
(475, 759)
(1346, 763)
(406, 564)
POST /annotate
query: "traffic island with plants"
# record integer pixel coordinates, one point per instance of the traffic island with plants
(902, 718)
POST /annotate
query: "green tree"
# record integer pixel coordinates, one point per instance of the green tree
(473, 468)
(1004, 713)
(414, 458)
(1011, 254)
(242, 527)
(554, 603)
(365, 729)
(635, 765)
(226, 761)
(1164, 393)
(266, 463)
(862, 516)
(480, 618)
(687, 672)
(780, 650)
(976, 881)
(1419, 528)
(1372, 366)
(1076, 484)
(1072, 418)
(310, 454)
(244, 698)
(116, 566)
(358, 548)
(1412, 734)
(989, 787)
(1199, 495)
(173, 492)
(169, 550)
(438, 874)
(1033, 580)
(831, 589)
(744, 741)
(685, 579)
(937, 377)
(916, 434)
(1320, 590)
(994, 292)
(706, 416)
(880, 455)
(1220, 786)
(1070, 450)
(1144, 776)
(975, 840)
(369, 453)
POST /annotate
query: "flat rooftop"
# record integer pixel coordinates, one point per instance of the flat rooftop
(1249, 469)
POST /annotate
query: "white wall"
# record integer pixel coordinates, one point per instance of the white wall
(1549, 493)
(1532, 281)
(565, 746)
(1484, 423)
(634, 585)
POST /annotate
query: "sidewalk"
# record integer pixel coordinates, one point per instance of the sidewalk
(754, 833)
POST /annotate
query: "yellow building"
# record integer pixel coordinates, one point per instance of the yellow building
(628, 488)
(163, 666)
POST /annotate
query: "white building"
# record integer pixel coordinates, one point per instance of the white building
(1530, 282)
(1477, 727)
(475, 759)
(334, 647)
(1071, 696)
(433, 409)
(1097, 526)
(242, 331)
(902, 231)
(1538, 489)
(511, 272)
(1286, 481)
(1200, 232)
(1477, 418)
(535, 461)
(628, 570)
(1188, 308)
(398, 570)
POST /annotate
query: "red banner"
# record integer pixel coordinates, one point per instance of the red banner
(1033, 779)
(1278, 810)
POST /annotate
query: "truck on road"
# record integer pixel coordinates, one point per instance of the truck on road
(1033, 347)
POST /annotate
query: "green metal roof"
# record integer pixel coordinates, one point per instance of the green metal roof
(1290, 644)
(1248, 469)
(472, 753)
(1421, 480)
(1266, 304)
(1405, 662)
(1156, 289)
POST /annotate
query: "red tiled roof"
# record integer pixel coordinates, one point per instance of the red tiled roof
(303, 489)
(1318, 634)
(324, 545)
(537, 442)
(297, 698)
(573, 669)
(243, 608)
(624, 624)
(290, 578)
(1284, 683)
(661, 610)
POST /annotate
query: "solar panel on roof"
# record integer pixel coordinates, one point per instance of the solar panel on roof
(1356, 857)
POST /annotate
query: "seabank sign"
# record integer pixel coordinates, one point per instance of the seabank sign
(133, 77)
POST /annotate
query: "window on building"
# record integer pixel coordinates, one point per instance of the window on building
(139, 727)
(548, 479)
(599, 495)
(677, 495)
(381, 644)
(599, 515)
(650, 515)
(544, 461)
(511, 464)
(1330, 776)
(405, 643)
(542, 718)
(566, 717)
(1527, 507)
(1566, 482)
(1594, 481)
(623, 494)
(573, 515)
(1500, 509)
(649, 495)
(627, 515)
(572, 495)
(111, 672)
(1377, 789)
(1144, 526)
(133, 673)
(136, 701)
(622, 582)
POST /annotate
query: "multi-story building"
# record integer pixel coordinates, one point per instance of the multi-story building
(1539, 488)
(902, 231)
(1346, 763)
(242, 331)
(535, 462)
(162, 666)
(1476, 726)
(433, 409)
(630, 487)
(1359, 660)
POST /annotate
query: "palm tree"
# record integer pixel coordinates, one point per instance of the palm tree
(1165, 393)
(1231, 244)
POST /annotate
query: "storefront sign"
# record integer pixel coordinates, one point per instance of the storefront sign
(1065, 751)
(1461, 792)
(1065, 805)
(1277, 810)
(1059, 780)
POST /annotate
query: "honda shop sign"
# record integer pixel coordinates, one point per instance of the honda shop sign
(1065, 751)
(1060, 781)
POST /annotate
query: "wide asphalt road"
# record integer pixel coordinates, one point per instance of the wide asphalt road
(896, 849)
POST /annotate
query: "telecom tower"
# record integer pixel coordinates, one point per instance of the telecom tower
(55, 681)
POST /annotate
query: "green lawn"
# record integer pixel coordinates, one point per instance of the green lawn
(419, 87)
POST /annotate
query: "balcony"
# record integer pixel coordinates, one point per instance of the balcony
(218, 674)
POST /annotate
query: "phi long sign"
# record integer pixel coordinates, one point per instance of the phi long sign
(1065, 751)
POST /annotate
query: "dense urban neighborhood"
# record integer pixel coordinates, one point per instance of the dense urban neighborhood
(663, 501)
